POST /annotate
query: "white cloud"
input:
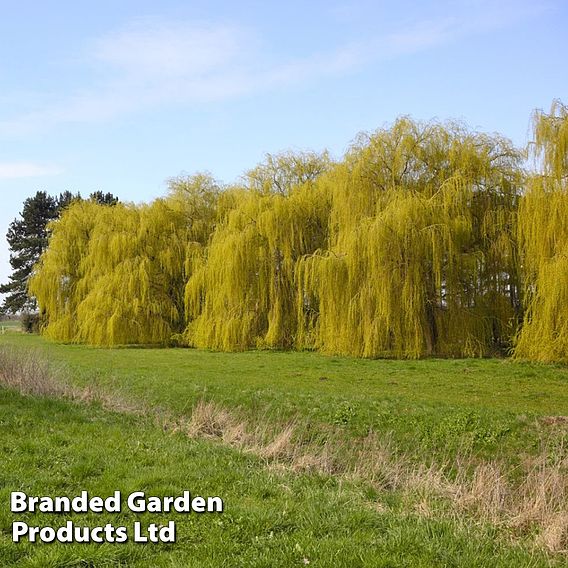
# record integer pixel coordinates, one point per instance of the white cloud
(152, 63)
(11, 170)
(149, 64)
(161, 50)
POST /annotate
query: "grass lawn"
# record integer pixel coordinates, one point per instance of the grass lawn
(490, 407)
(10, 325)
(270, 518)
(493, 411)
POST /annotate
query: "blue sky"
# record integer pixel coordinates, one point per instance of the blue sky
(121, 95)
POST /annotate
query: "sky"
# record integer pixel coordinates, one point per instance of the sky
(120, 95)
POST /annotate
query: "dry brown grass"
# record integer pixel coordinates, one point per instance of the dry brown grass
(30, 374)
(538, 503)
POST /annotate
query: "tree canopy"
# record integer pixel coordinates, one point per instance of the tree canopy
(116, 275)
(424, 239)
(28, 237)
(543, 239)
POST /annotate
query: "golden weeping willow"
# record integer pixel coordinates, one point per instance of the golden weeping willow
(421, 256)
(115, 275)
(134, 268)
(412, 245)
(543, 238)
(244, 293)
(57, 281)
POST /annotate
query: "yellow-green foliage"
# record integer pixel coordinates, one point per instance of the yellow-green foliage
(421, 255)
(244, 293)
(124, 267)
(404, 249)
(412, 245)
(543, 238)
(133, 276)
(57, 279)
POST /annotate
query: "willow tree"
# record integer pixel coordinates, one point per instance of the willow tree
(243, 294)
(543, 237)
(57, 279)
(134, 276)
(132, 267)
(280, 173)
(405, 248)
(421, 255)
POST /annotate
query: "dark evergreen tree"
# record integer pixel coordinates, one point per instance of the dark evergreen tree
(104, 198)
(27, 238)
(65, 199)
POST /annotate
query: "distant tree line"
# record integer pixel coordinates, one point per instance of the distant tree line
(423, 239)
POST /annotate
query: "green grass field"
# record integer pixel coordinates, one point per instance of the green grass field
(10, 325)
(481, 413)
(490, 406)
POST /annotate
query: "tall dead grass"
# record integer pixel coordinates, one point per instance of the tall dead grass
(537, 503)
(32, 374)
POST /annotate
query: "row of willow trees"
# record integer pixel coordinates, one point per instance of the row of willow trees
(424, 239)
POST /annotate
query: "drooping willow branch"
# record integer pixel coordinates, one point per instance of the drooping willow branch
(413, 244)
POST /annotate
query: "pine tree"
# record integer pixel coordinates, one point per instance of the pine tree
(27, 238)
(103, 198)
(65, 199)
